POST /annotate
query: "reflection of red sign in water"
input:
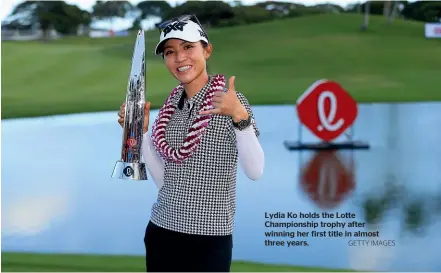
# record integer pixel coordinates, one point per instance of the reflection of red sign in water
(326, 180)
(327, 109)
(131, 142)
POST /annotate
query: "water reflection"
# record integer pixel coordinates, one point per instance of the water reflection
(328, 179)
(74, 206)
(30, 215)
(416, 211)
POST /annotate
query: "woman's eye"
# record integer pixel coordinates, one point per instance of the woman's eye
(168, 52)
(188, 46)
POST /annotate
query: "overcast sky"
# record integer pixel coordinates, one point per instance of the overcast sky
(8, 5)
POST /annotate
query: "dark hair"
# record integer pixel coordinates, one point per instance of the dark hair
(205, 45)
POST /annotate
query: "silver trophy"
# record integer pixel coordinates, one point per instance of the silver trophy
(130, 166)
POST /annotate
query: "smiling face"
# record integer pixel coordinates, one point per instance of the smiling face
(186, 61)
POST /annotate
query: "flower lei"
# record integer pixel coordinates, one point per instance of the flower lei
(196, 130)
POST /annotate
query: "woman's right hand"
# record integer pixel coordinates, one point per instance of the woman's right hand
(122, 110)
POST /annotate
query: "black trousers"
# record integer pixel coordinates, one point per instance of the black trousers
(171, 251)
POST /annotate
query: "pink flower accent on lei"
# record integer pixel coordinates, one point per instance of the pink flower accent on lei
(196, 130)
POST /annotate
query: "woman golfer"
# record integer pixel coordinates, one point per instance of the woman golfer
(202, 131)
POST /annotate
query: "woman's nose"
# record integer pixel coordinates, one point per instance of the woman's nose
(180, 56)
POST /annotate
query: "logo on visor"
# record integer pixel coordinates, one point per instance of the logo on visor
(175, 26)
(202, 34)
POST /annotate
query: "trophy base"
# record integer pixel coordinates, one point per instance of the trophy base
(129, 171)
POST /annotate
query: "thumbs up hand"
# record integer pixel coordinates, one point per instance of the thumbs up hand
(227, 104)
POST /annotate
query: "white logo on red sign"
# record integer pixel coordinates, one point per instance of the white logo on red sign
(327, 110)
(326, 180)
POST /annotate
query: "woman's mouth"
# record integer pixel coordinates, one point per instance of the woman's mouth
(184, 68)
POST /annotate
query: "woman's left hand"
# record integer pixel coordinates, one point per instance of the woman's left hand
(227, 104)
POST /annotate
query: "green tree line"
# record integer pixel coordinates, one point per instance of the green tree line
(66, 18)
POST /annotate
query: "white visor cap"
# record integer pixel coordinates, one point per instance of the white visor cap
(184, 30)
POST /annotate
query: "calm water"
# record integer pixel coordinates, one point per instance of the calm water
(57, 194)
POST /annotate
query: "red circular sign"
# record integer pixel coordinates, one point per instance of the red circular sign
(131, 142)
(326, 180)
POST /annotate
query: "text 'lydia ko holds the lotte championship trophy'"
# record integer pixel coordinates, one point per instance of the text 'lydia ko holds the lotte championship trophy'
(293, 229)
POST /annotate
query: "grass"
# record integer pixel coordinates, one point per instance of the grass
(25, 262)
(274, 62)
